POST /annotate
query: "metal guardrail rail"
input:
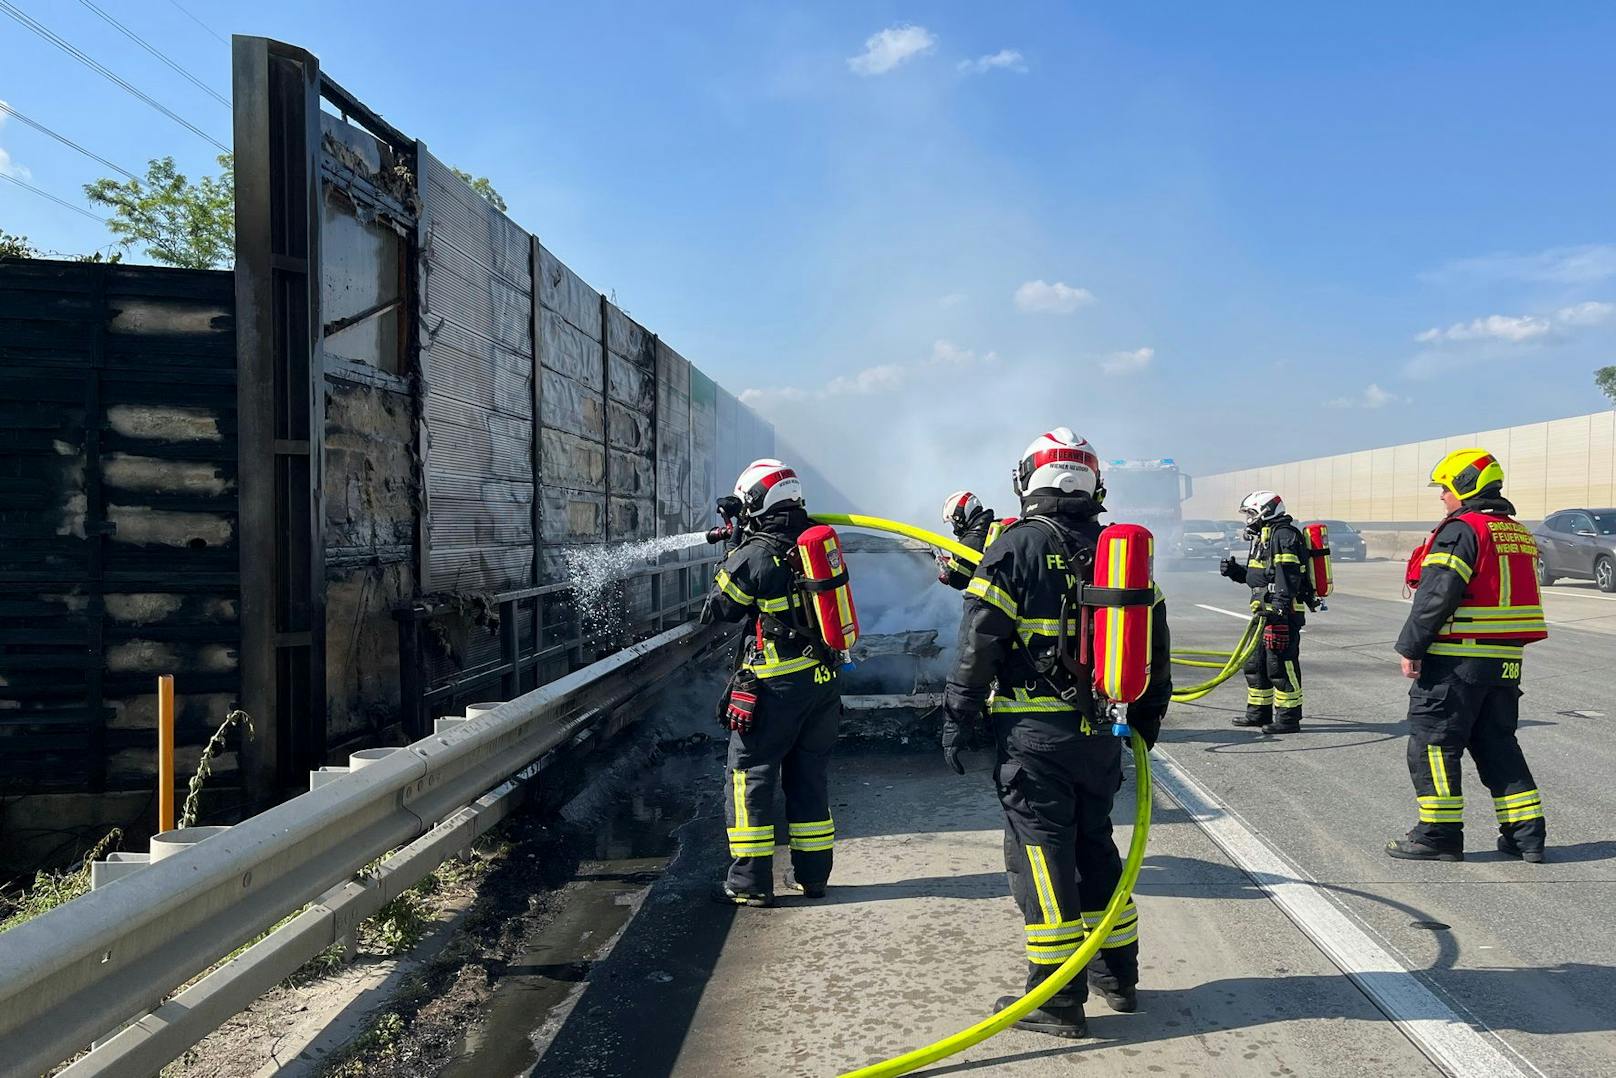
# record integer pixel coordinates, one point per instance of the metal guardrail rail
(114, 955)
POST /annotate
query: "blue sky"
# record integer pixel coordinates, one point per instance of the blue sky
(921, 233)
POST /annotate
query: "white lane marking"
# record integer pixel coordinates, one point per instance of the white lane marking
(1219, 610)
(1451, 1043)
(1578, 595)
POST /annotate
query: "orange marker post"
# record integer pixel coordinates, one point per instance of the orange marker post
(165, 752)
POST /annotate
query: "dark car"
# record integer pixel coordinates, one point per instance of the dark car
(1346, 542)
(1578, 543)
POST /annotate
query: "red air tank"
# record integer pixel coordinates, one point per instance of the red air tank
(830, 594)
(1318, 541)
(1122, 632)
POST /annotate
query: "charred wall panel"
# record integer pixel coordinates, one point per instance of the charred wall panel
(477, 365)
(704, 483)
(673, 441)
(118, 522)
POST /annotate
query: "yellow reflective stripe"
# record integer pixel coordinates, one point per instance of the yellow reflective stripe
(1111, 685)
(751, 849)
(1519, 808)
(727, 585)
(1051, 956)
(1498, 628)
(991, 595)
(1287, 699)
(1441, 808)
(1044, 626)
(1496, 613)
(775, 606)
(813, 827)
(738, 789)
(1439, 770)
(783, 666)
(1057, 933)
(1505, 582)
(1516, 799)
(1043, 884)
(1449, 561)
(813, 845)
(1292, 673)
(1001, 705)
(1434, 816)
(1287, 559)
(1259, 696)
(1469, 649)
(1520, 815)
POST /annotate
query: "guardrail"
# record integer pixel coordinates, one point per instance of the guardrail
(88, 967)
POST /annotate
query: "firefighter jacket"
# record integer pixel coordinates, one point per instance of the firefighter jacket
(1478, 593)
(957, 571)
(756, 585)
(1276, 567)
(1011, 624)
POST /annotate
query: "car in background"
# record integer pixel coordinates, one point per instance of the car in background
(1205, 539)
(1578, 543)
(1346, 542)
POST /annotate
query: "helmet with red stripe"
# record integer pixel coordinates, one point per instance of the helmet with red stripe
(1261, 506)
(1060, 462)
(766, 485)
(958, 509)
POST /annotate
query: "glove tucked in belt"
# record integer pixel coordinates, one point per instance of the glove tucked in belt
(1276, 636)
(740, 710)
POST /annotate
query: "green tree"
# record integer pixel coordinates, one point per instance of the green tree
(15, 246)
(481, 185)
(179, 223)
(1605, 379)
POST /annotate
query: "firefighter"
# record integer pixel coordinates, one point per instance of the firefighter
(1274, 571)
(971, 524)
(782, 704)
(1476, 608)
(1057, 764)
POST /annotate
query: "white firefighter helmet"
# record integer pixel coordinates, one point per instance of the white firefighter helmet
(766, 485)
(1261, 506)
(1059, 461)
(959, 507)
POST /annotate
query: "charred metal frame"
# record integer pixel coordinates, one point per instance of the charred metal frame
(281, 397)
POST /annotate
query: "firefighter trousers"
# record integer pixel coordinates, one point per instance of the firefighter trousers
(793, 733)
(1274, 679)
(1448, 715)
(1056, 786)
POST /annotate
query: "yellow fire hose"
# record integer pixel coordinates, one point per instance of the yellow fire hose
(1079, 961)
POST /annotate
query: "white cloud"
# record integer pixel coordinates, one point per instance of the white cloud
(1006, 59)
(9, 167)
(891, 47)
(1128, 362)
(1591, 313)
(946, 353)
(953, 299)
(1041, 297)
(882, 378)
(1583, 264)
(1514, 329)
(1372, 397)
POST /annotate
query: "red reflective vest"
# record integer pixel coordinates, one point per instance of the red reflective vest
(1502, 610)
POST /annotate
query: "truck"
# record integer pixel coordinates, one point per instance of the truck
(1152, 493)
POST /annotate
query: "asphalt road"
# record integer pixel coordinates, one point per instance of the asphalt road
(1265, 886)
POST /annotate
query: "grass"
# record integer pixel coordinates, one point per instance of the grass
(51, 888)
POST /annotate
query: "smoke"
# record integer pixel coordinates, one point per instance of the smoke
(899, 452)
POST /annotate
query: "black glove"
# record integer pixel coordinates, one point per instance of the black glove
(1147, 721)
(729, 507)
(1232, 569)
(963, 728)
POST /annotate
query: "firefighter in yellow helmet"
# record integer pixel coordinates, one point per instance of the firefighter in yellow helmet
(1476, 607)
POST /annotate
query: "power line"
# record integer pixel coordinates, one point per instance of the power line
(199, 22)
(64, 140)
(101, 69)
(155, 51)
(46, 194)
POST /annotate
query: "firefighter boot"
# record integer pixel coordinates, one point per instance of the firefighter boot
(1409, 849)
(1511, 848)
(1124, 999)
(725, 895)
(1056, 1019)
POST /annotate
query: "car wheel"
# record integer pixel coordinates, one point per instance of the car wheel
(1544, 577)
(1605, 574)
